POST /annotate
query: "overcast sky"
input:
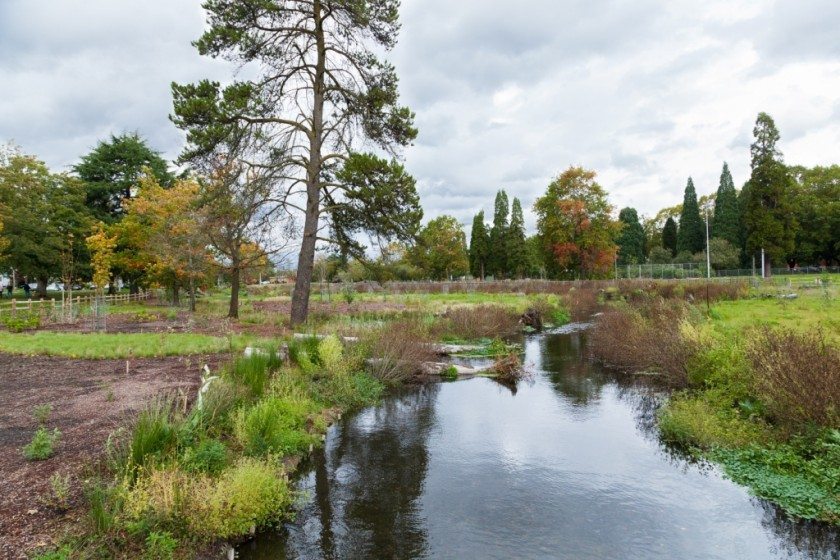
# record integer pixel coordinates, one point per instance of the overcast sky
(644, 92)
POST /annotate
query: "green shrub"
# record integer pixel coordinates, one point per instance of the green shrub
(209, 456)
(449, 373)
(42, 413)
(42, 445)
(62, 553)
(59, 496)
(160, 546)
(253, 493)
(275, 425)
(330, 353)
(693, 422)
(23, 321)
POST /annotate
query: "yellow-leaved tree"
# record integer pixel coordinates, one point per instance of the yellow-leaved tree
(167, 224)
(101, 246)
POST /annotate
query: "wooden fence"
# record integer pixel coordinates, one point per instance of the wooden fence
(52, 309)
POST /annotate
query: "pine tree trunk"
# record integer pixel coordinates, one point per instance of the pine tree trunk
(306, 259)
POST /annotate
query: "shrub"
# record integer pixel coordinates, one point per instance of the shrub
(449, 373)
(330, 352)
(798, 375)
(647, 338)
(42, 445)
(63, 553)
(398, 354)
(23, 321)
(304, 352)
(42, 413)
(508, 369)
(160, 546)
(479, 321)
(349, 391)
(696, 423)
(209, 456)
(582, 303)
(253, 493)
(59, 496)
(275, 426)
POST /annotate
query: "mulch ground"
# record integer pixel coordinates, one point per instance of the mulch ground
(89, 398)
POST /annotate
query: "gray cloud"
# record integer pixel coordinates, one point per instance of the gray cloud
(645, 92)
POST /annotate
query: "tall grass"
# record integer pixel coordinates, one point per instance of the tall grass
(254, 371)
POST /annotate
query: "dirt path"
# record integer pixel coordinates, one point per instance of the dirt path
(89, 399)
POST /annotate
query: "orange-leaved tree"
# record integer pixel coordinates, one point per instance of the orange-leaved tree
(576, 227)
(169, 225)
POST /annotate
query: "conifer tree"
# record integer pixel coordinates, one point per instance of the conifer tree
(479, 246)
(690, 236)
(669, 236)
(497, 263)
(727, 222)
(515, 243)
(631, 240)
(769, 216)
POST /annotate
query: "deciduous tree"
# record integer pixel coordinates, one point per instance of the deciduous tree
(575, 226)
(441, 250)
(817, 202)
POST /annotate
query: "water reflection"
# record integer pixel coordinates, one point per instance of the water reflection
(570, 466)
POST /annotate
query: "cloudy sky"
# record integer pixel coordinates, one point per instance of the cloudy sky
(646, 92)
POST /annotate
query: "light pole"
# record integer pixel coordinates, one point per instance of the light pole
(708, 256)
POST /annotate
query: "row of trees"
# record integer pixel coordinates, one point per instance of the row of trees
(791, 213)
(178, 232)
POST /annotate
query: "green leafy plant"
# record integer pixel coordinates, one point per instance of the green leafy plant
(59, 496)
(42, 445)
(449, 373)
(275, 425)
(22, 321)
(209, 456)
(62, 553)
(330, 352)
(160, 546)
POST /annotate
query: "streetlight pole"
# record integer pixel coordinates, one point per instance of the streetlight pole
(708, 256)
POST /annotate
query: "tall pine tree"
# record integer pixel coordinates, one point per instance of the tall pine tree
(515, 244)
(497, 264)
(669, 236)
(769, 214)
(691, 236)
(631, 240)
(727, 222)
(479, 246)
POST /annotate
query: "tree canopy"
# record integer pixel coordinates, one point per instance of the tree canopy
(575, 225)
(479, 246)
(631, 240)
(727, 221)
(322, 91)
(498, 235)
(669, 236)
(441, 250)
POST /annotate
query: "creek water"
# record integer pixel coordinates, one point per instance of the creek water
(567, 466)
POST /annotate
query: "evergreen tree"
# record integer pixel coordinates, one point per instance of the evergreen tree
(112, 172)
(669, 236)
(690, 236)
(479, 246)
(727, 222)
(631, 240)
(769, 216)
(515, 245)
(497, 263)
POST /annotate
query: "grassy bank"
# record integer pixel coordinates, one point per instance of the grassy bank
(175, 481)
(119, 346)
(757, 383)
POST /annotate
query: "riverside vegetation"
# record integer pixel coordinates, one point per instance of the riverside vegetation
(180, 479)
(756, 380)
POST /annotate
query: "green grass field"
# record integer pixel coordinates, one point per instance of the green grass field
(121, 346)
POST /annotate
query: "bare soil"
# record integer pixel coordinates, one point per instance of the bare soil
(89, 398)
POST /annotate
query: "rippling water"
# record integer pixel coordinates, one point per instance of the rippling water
(568, 466)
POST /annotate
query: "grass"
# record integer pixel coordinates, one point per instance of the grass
(813, 309)
(120, 345)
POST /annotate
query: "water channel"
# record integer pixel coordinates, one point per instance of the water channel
(567, 466)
